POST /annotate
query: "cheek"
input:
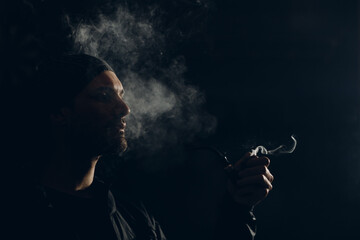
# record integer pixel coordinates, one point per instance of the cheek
(95, 114)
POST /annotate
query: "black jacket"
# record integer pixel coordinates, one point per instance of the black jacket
(36, 212)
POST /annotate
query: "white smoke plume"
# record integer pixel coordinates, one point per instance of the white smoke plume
(119, 36)
(164, 108)
(282, 149)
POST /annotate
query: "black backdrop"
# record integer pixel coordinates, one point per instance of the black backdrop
(268, 70)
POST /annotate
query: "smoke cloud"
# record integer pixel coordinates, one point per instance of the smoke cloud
(282, 149)
(164, 108)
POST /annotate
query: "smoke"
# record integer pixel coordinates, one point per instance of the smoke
(164, 108)
(119, 36)
(282, 149)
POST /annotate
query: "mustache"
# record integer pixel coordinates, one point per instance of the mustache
(118, 122)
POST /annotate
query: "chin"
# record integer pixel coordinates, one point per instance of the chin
(123, 146)
(116, 146)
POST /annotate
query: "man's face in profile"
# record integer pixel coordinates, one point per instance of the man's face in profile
(97, 117)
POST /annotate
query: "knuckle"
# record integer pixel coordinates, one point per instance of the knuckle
(266, 192)
(263, 192)
(267, 161)
(263, 177)
(263, 169)
(271, 177)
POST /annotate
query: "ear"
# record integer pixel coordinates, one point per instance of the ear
(61, 117)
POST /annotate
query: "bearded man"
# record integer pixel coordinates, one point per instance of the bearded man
(83, 112)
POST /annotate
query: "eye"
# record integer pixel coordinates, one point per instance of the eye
(103, 96)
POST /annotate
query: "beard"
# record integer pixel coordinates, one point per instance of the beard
(115, 142)
(97, 140)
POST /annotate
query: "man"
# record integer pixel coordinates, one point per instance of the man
(81, 101)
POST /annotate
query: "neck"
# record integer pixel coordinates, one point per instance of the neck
(70, 173)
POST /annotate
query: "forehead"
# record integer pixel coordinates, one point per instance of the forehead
(105, 79)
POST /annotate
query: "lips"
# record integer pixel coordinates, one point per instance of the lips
(121, 126)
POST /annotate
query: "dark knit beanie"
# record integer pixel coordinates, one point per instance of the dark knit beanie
(61, 78)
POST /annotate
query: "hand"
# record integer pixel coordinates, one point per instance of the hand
(253, 180)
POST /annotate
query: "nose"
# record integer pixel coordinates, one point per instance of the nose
(122, 108)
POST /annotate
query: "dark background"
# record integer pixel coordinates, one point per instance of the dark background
(268, 69)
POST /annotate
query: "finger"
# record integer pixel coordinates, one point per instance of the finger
(258, 170)
(240, 163)
(258, 161)
(259, 180)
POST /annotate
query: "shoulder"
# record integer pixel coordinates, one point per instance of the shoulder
(136, 215)
(132, 209)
